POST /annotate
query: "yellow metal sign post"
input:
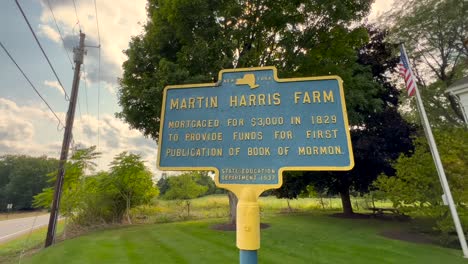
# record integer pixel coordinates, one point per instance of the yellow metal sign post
(248, 128)
(248, 214)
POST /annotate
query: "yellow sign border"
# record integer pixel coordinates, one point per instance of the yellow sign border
(237, 188)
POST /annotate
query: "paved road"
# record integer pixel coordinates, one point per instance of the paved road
(15, 227)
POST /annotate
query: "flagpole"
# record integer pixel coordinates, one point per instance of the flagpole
(439, 166)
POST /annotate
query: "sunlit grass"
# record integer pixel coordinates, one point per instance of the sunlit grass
(217, 206)
(13, 250)
(208, 207)
(292, 238)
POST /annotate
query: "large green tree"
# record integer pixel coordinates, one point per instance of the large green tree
(90, 198)
(80, 164)
(434, 33)
(204, 179)
(163, 184)
(379, 139)
(201, 177)
(22, 177)
(185, 187)
(191, 41)
(416, 189)
(129, 181)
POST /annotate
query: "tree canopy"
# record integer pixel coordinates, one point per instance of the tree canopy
(185, 187)
(130, 181)
(379, 139)
(200, 177)
(22, 177)
(416, 189)
(434, 32)
(89, 197)
(79, 164)
(191, 41)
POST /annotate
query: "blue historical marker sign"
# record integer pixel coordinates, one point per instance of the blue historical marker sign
(250, 126)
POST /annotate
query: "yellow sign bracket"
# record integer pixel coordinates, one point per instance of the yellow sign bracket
(248, 215)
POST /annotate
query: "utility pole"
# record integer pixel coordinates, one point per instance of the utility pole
(67, 137)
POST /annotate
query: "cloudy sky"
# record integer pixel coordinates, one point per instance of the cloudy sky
(26, 124)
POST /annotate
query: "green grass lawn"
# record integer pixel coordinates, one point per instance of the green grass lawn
(298, 238)
(11, 251)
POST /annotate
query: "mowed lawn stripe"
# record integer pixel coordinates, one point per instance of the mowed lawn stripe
(102, 247)
(290, 239)
(207, 245)
(336, 240)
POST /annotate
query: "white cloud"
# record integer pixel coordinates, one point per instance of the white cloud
(55, 85)
(378, 8)
(118, 21)
(20, 126)
(111, 89)
(32, 130)
(49, 32)
(114, 137)
(15, 130)
(10, 108)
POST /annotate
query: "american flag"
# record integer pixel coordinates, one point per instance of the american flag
(407, 74)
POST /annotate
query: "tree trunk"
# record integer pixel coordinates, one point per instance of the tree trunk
(346, 201)
(321, 202)
(455, 106)
(65, 227)
(128, 212)
(289, 206)
(232, 207)
(188, 208)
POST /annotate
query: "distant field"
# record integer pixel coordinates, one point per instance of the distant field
(216, 206)
(294, 238)
(273, 203)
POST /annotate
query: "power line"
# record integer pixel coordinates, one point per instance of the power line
(99, 74)
(32, 85)
(86, 88)
(86, 91)
(40, 46)
(76, 14)
(81, 121)
(60, 33)
(97, 23)
(79, 109)
(99, 98)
